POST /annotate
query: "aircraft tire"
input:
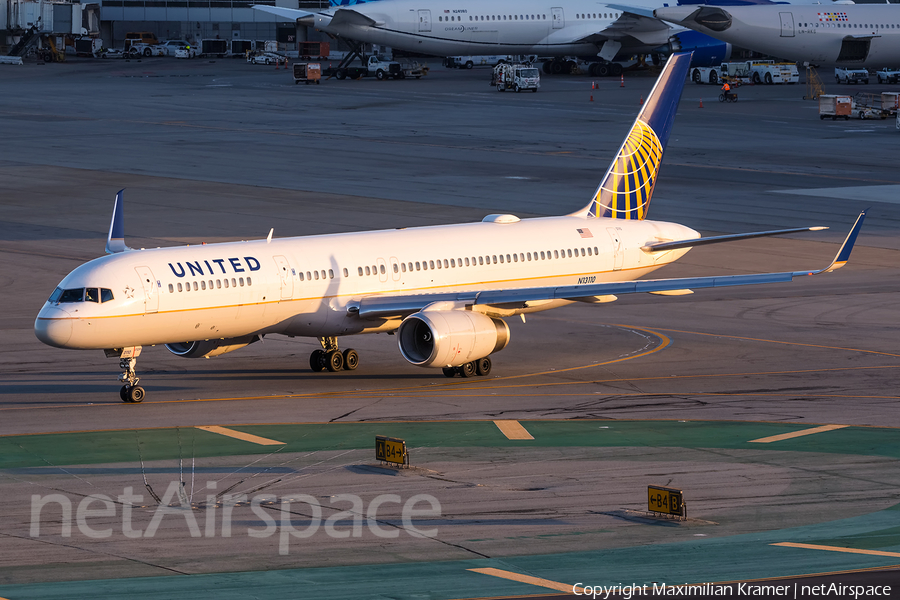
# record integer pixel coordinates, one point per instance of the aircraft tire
(603, 70)
(449, 371)
(123, 393)
(483, 366)
(615, 69)
(316, 360)
(467, 370)
(351, 359)
(136, 394)
(334, 361)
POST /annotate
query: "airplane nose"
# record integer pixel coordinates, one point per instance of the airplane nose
(53, 326)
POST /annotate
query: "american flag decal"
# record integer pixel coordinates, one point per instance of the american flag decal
(585, 233)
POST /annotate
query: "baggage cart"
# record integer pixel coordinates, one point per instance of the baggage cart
(307, 73)
(834, 106)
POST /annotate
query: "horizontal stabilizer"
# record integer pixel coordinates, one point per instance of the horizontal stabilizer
(666, 246)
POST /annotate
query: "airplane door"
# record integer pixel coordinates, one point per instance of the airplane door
(618, 258)
(395, 268)
(559, 20)
(424, 20)
(151, 289)
(287, 277)
(787, 24)
(382, 270)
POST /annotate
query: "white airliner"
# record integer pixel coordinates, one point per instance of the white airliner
(597, 31)
(865, 35)
(444, 290)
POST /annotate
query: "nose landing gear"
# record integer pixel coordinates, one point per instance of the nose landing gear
(332, 359)
(131, 392)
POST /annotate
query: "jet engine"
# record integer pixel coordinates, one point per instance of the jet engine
(708, 51)
(450, 338)
(210, 348)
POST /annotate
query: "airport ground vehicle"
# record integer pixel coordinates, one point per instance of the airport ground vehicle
(771, 72)
(516, 77)
(842, 75)
(171, 48)
(376, 65)
(218, 48)
(733, 72)
(886, 75)
(469, 62)
(307, 73)
(728, 97)
(265, 58)
(834, 106)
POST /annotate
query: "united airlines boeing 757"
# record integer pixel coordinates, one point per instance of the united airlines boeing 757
(443, 290)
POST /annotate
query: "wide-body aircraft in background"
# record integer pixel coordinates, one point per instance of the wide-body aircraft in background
(594, 31)
(444, 290)
(832, 34)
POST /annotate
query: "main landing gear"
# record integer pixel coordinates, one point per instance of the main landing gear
(480, 367)
(331, 358)
(131, 392)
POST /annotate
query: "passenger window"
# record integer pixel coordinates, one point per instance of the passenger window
(242, 281)
(467, 261)
(301, 275)
(446, 264)
(308, 276)
(179, 288)
(582, 251)
(418, 265)
(589, 251)
(323, 273)
(249, 282)
(226, 284)
(382, 269)
(556, 254)
(453, 263)
(367, 271)
(596, 251)
(196, 287)
(396, 269)
(202, 285)
(495, 259)
(171, 289)
(431, 263)
(501, 258)
(233, 282)
(480, 260)
(403, 267)
(346, 273)
(316, 273)
(330, 273)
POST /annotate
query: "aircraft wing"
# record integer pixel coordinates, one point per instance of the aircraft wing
(348, 16)
(291, 14)
(383, 306)
(634, 22)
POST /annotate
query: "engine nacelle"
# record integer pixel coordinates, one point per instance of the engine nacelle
(708, 51)
(450, 338)
(210, 348)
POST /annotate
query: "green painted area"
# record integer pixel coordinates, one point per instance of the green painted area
(161, 444)
(732, 558)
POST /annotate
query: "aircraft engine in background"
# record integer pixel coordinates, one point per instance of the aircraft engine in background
(708, 52)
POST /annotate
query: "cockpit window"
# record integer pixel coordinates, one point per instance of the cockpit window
(81, 295)
(76, 295)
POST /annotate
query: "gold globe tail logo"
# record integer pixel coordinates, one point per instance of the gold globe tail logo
(625, 192)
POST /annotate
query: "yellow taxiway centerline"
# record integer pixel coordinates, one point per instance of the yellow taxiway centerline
(546, 583)
(239, 435)
(838, 549)
(513, 430)
(793, 434)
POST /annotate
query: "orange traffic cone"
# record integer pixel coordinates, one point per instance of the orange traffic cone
(593, 85)
(701, 102)
(622, 84)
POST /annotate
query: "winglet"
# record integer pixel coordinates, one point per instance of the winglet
(115, 241)
(843, 254)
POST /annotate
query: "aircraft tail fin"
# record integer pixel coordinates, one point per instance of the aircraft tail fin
(627, 186)
(115, 241)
